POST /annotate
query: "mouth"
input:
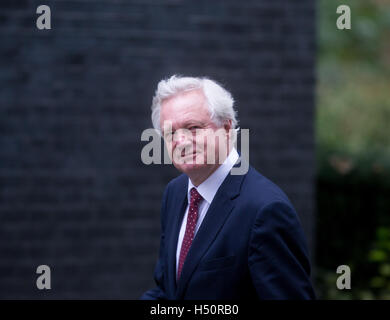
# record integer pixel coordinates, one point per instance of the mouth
(184, 155)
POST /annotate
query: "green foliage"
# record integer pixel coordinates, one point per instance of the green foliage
(353, 105)
(327, 288)
(376, 286)
(353, 120)
(353, 149)
(380, 257)
(367, 40)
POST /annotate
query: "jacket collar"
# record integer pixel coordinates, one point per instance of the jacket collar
(218, 212)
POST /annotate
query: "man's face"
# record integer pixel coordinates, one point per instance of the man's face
(189, 133)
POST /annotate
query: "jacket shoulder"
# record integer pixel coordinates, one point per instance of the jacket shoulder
(178, 183)
(261, 191)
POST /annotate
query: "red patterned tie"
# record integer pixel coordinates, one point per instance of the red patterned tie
(192, 218)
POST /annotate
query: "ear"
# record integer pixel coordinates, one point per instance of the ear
(227, 125)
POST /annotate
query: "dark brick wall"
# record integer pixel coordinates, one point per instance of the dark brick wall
(74, 100)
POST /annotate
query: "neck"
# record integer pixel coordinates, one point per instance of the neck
(198, 178)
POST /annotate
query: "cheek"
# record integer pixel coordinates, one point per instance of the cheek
(169, 146)
(200, 141)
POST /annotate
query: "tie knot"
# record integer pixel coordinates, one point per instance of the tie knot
(195, 196)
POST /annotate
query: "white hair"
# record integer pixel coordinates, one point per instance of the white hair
(219, 101)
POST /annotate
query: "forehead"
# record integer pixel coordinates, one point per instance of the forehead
(185, 107)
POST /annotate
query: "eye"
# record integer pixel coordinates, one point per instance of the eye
(168, 135)
(193, 128)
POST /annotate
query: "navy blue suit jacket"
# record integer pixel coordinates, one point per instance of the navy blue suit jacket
(250, 245)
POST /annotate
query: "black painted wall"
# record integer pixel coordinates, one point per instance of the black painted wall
(75, 99)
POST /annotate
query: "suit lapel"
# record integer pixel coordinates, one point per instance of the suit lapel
(180, 203)
(218, 212)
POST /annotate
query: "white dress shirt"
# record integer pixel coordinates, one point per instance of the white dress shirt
(207, 189)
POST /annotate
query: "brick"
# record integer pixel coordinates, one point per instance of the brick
(75, 99)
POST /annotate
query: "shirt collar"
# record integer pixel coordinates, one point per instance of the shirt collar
(208, 188)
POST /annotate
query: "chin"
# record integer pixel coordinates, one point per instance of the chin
(190, 168)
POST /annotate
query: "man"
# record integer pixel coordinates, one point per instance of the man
(224, 236)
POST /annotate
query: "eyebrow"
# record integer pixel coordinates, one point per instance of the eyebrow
(188, 124)
(192, 122)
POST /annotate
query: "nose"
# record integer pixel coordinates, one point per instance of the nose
(182, 137)
(183, 142)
